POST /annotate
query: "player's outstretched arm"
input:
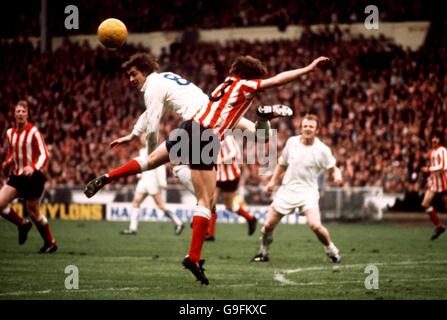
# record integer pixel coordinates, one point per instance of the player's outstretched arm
(138, 129)
(288, 76)
(122, 140)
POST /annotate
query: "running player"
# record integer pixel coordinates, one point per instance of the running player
(304, 157)
(437, 182)
(25, 162)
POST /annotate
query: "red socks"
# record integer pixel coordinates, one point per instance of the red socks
(199, 229)
(434, 217)
(13, 217)
(44, 229)
(130, 168)
(212, 224)
(244, 213)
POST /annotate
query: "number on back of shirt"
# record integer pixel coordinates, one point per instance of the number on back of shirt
(180, 81)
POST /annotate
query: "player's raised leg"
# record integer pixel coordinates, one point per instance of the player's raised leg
(137, 165)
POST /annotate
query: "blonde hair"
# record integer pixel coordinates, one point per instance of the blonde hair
(311, 117)
(22, 103)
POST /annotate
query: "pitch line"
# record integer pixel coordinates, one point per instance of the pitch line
(129, 289)
(280, 276)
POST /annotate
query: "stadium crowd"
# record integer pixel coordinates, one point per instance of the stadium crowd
(377, 102)
(145, 16)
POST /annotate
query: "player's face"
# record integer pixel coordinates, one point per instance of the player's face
(309, 129)
(435, 141)
(136, 78)
(20, 114)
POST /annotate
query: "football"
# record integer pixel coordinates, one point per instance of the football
(112, 33)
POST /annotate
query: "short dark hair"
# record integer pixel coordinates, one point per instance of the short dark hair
(438, 134)
(22, 103)
(247, 67)
(143, 62)
(312, 117)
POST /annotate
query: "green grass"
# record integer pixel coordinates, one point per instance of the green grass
(148, 266)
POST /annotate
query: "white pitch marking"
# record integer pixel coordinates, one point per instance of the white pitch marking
(280, 275)
(41, 292)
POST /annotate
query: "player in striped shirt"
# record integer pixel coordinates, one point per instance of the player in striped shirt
(228, 174)
(26, 159)
(437, 181)
(198, 141)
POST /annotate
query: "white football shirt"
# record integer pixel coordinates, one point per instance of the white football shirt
(304, 163)
(167, 91)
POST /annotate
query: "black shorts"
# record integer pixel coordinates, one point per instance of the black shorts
(193, 145)
(228, 186)
(29, 188)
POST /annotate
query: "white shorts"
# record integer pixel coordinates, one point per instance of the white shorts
(152, 181)
(287, 201)
(183, 173)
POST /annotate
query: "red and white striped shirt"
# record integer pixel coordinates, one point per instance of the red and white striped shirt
(227, 168)
(26, 147)
(437, 182)
(227, 105)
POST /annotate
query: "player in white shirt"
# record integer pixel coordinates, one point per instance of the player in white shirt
(151, 183)
(304, 157)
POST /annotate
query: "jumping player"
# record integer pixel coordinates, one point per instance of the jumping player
(225, 108)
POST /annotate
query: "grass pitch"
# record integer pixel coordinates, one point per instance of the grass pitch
(148, 266)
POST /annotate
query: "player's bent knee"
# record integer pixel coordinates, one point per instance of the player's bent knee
(268, 227)
(315, 226)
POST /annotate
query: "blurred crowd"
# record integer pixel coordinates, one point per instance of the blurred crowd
(377, 102)
(145, 16)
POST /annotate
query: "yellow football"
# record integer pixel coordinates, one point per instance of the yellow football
(112, 33)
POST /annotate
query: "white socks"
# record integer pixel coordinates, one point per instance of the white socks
(331, 249)
(266, 239)
(173, 217)
(201, 211)
(142, 161)
(134, 215)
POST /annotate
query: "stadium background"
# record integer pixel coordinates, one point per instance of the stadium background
(378, 100)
